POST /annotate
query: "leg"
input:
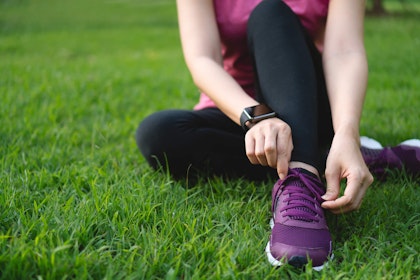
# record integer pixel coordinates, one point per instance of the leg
(191, 142)
(289, 74)
(290, 78)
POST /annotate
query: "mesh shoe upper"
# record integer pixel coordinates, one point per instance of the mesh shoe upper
(398, 157)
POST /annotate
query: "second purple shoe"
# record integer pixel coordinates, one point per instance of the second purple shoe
(299, 229)
(403, 156)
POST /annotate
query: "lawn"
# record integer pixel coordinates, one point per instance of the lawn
(77, 201)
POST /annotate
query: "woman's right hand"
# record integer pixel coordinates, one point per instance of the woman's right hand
(269, 143)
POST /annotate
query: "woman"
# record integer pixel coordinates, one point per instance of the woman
(282, 83)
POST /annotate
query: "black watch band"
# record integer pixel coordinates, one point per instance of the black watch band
(254, 114)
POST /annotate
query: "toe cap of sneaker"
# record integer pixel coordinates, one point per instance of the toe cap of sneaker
(285, 253)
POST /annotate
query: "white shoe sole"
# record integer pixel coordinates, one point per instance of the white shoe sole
(411, 142)
(370, 143)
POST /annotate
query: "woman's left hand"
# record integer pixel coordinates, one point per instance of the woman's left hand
(269, 143)
(345, 161)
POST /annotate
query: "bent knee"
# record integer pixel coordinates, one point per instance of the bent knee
(149, 136)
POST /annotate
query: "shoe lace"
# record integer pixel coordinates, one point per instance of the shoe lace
(303, 197)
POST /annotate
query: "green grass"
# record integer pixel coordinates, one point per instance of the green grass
(78, 201)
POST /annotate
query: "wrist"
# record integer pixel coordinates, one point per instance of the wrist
(349, 130)
(252, 115)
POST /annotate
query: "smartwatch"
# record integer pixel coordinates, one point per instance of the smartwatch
(254, 114)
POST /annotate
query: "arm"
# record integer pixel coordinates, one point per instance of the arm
(345, 67)
(201, 47)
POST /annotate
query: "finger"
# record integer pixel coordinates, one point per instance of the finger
(352, 197)
(333, 178)
(250, 148)
(284, 150)
(357, 185)
(260, 150)
(338, 206)
(270, 149)
(355, 191)
(346, 203)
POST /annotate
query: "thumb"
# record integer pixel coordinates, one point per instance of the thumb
(333, 184)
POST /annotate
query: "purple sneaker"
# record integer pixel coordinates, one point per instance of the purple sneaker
(403, 156)
(299, 229)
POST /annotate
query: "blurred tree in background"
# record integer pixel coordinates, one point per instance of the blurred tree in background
(377, 7)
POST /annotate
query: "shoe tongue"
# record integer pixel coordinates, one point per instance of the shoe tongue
(307, 172)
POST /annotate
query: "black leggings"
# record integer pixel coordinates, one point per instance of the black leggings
(290, 80)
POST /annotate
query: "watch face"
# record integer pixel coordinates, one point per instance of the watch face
(259, 110)
(252, 115)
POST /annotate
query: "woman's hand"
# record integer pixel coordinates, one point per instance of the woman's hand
(345, 67)
(345, 161)
(269, 143)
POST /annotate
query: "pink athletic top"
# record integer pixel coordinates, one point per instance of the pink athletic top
(232, 17)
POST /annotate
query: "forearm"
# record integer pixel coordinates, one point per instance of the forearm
(345, 64)
(212, 79)
(346, 71)
(346, 77)
(201, 47)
